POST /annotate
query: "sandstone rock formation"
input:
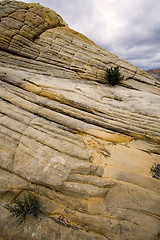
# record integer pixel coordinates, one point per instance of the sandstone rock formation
(89, 152)
(155, 73)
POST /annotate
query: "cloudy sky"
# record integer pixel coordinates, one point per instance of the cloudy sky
(128, 28)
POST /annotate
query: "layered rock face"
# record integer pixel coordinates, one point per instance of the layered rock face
(89, 152)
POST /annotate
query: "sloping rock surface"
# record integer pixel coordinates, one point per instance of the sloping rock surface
(89, 152)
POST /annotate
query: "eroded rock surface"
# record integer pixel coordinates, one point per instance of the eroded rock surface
(86, 150)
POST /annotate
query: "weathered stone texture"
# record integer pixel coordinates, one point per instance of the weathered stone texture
(84, 148)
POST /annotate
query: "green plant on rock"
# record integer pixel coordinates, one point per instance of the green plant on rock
(21, 209)
(155, 171)
(114, 76)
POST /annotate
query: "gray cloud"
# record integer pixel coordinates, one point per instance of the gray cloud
(129, 29)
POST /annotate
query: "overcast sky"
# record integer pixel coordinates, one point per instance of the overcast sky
(128, 28)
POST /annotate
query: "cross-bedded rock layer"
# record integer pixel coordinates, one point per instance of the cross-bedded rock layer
(88, 151)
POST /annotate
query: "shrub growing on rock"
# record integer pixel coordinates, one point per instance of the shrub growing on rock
(114, 76)
(155, 171)
(21, 209)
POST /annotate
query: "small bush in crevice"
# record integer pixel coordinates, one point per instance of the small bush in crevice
(155, 171)
(114, 76)
(21, 209)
